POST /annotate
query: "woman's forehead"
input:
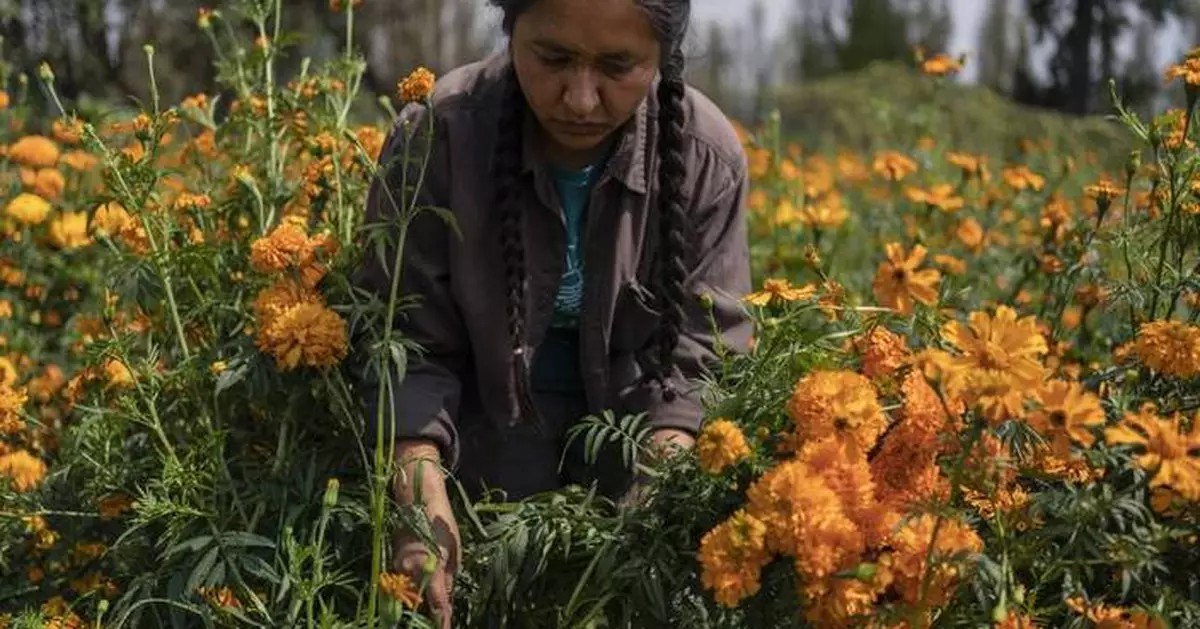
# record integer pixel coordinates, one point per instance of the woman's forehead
(588, 27)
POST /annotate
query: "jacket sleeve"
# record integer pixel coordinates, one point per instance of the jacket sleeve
(424, 403)
(720, 273)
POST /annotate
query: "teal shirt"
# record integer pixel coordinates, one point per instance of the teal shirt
(556, 364)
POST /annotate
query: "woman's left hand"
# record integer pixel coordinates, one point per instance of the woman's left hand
(663, 442)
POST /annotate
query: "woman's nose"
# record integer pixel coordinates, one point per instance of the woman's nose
(581, 95)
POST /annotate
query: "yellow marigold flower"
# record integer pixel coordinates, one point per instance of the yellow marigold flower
(845, 470)
(1163, 448)
(970, 233)
(942, 196)
(1001, 343)
(1020, 177)
(34, 151)
(899, 283)
(720, 445)
(118, 374)
(217, 367)
(4, 100)
(111, 219)
(1170, 347)
(417, 86)
(1104, 190)
(8, 371)
(840, 404)
(28, 209)
(23, 470)
(950, 264)
(69, 230)
(12, 407)
(400, 588)
(49, 183)
(279, 250)
(778, 290)
(732, 556)
(309, 335)
(893, 166)
(1066, 415)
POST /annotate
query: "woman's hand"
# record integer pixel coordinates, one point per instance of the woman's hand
(664, 442)
(411, 555)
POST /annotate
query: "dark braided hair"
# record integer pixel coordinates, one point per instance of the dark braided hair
(669, 18)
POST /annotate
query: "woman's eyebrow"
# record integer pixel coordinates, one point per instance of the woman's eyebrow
(555, 47)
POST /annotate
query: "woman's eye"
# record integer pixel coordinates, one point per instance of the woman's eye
(555, 61)
(616, 68)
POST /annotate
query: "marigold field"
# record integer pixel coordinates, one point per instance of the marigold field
(971, 400)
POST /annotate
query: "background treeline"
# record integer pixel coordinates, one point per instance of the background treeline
(1053, 54)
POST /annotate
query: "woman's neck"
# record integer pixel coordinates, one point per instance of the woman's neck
(574, 159)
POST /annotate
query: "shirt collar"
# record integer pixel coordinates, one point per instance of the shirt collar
(626, 164)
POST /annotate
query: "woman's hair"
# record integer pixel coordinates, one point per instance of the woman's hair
(669, 18)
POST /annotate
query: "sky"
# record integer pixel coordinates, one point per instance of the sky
(968, 14)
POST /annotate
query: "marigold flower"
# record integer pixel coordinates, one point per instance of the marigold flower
(845, 470)
(899, 282)
(12, 406)
(1188, 70)
(28, 209)
(942, 196)
(1170, 347)
(1162, 447)
(113, 506)
(221, 597)
(279, 250)
(1020, 177)
(308, 334)
(34, 151)
(911, 547)
(23, 470)
(840, 404)
(417, 86)
(1067, 414)
(69, 230)
(68, 132)
(118, 374)
(882, 351)
(941, 64)
(48, 183)
(779, 290)
(804, 519)
(720, 444)
(893, 166)
(1017, 621)
(110, 219)
(280, 297)
(400, 588)
(998, 356)
(732, 557)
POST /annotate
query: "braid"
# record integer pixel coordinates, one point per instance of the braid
(672, 244)
(507, 165)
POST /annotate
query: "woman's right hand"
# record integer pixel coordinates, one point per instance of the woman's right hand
(410, 553)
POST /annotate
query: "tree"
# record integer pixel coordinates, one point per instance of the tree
(998, 48)
(1075, 74)
(931, 24)
(876, 30)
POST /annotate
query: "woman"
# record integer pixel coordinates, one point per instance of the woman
(601, 234)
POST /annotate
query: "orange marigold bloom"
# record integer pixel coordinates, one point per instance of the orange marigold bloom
(1017, 621)
(1163, 448)
(942, 196)
(278, 250)
(23, 470)
(280, 297)
(67, 131)
(732, 556)
(112, 507)
(418, 85)
(882, 351)
(219, 596)
(912, 544)
(34, 151)
(49, 183)
(899, 283)
(941, 64)
(1170, 347)
(400, 588)
(1020, 177)
(111, 219)
(308, 334)
(845, 470)
(720, 444)
(779, 290)
(970, 233)
(1188, 70)
(998, 355)
(1067, 414)
(840, 404)
(893, 165)
(804, 519)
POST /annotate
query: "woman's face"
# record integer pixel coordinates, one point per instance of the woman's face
(585, 66)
